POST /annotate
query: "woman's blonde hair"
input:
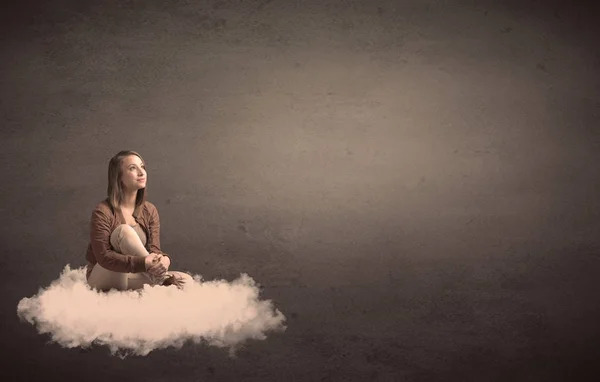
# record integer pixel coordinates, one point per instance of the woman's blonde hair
(115, 186)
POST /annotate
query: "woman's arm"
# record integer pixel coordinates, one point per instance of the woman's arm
(107, 258)
(154, 228)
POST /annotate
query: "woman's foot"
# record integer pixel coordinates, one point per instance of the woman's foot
(157, 280)
(171, 279)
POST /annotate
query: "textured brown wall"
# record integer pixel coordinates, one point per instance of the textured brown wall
(414, 183)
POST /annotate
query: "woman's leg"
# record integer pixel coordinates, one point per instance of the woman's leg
(104, 280)
(125, 240)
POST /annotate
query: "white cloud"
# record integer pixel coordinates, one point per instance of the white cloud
(221, 313)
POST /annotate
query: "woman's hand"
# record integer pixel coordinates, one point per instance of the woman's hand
(151, 260)
(160, 265)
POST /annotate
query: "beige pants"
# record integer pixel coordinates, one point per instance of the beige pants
(125, 240)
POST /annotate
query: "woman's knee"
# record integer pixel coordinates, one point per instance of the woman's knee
(122, 231)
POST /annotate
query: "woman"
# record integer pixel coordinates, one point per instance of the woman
(124, 251)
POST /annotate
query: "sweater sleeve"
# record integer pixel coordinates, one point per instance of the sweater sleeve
(107, 258)
(154, 228)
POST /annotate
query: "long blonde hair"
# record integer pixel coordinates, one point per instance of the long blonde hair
(115, 187)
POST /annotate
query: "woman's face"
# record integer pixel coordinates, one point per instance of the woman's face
(133, 173)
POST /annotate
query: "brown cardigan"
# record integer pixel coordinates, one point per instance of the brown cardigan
(104, 221)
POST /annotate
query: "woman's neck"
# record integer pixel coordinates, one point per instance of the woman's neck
(129, 201)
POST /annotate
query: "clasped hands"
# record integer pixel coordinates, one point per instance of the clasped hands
(157, 264)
